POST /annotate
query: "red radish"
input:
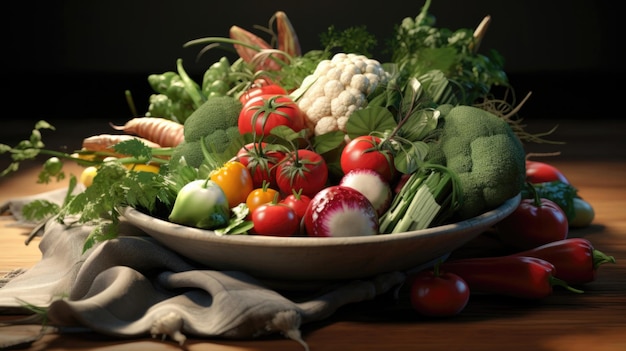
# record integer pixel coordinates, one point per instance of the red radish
(371, 184)
(339, 211)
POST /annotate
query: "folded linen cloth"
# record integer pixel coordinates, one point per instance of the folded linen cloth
(132, 286)
(15, 206)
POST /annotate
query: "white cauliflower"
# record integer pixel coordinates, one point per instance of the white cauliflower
(337, 88)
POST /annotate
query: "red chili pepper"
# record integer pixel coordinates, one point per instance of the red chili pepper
(536, 221)
(516, 276)
(575, 259)
(540, 172)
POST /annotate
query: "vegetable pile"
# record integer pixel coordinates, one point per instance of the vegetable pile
(332, 142)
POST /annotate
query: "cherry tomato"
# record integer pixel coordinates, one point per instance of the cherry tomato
(364, 152)
(53, 166)
(302, 170)
(264, 112)
(261, 196)
(87, 175)
(298, 202)
(275, 219)
(535, 222)
(438, 294)
(260, 162)
(263, 89)
(235, 180)
(540, 172)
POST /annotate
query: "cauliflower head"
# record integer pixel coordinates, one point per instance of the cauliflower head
(338, 87)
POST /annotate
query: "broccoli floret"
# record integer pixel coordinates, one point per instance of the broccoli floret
(216, 122)
(188, 150)
(222, 142)
(217, 113)
(489, 159)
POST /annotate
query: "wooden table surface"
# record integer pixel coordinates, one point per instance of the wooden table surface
(593, 160)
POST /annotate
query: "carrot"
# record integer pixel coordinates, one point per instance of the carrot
(164, 132)
(105, 142)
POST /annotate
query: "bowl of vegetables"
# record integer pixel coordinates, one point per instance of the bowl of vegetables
(402, 163)
(307, 259)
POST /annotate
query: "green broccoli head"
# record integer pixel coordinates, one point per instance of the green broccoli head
(222, 142)
(217, 113)
(489, 159)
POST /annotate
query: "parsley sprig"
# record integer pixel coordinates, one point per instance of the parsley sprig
(113, 187)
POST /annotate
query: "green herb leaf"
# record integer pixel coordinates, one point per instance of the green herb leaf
(368, 120)
(238, 224)
(328, 141)
(420, 124)
(134, 148)
(37, 210)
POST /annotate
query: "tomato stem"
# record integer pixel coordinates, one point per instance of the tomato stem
(436, 270)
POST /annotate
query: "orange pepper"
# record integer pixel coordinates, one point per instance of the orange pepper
(235, 180)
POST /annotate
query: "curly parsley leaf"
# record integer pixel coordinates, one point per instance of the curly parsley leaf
(38, 210)
(134, 148)
(113, 187)
(355, 39)
(419, 47)
(41, 209)
(103, 231)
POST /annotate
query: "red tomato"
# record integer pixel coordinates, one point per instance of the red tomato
(534, 222)
(256, 90)
(275, 219)
(440, 294)
(264, 112)
(302, 170)
(298, 202)
(540, 172)
(260, 162)
(364, 152)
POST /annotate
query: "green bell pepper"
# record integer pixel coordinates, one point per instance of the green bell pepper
(202, 204)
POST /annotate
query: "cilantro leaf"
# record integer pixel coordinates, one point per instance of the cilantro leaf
(38, 210)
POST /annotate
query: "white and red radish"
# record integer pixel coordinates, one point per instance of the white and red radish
(340, 211)
(371, 184)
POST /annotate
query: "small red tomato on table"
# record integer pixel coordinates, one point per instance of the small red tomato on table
(438, 293)
(541, 172)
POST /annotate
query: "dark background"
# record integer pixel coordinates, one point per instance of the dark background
(74, 59)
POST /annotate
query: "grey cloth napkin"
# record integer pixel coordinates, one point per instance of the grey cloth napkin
(133, 286)
(16, 205)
